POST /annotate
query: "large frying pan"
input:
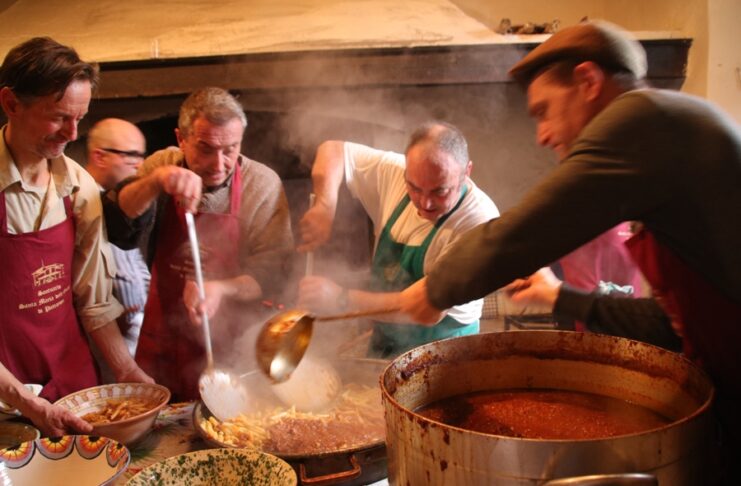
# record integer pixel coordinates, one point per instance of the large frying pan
(361, 464)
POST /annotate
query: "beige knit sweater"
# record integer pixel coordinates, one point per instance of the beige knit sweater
(265, 237)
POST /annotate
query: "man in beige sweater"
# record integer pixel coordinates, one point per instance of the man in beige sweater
(244, 233)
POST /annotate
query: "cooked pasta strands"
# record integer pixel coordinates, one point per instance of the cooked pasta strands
(119, 409)
(356, 416)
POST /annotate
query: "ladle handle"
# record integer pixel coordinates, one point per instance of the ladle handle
(360, 313)
(310, 254)
(190, 222)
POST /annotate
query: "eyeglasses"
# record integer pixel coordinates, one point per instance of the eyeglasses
(125, 153)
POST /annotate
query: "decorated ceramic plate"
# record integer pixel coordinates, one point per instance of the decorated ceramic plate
(140, 404)
(218, 466)
(7, 411)
(79, 460)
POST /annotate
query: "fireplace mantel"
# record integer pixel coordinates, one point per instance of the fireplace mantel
(353, 68)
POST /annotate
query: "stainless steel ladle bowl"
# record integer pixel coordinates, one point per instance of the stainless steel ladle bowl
(284, 338)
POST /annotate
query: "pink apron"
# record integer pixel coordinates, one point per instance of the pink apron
(41, 340)
(170, 347)
(709, 323)
(604, 258)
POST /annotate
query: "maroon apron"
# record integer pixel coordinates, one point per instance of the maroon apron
(41, 340)
(170, 347)
(709, 322)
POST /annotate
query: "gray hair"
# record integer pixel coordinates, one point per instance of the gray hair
(214, 104)
(440, 137)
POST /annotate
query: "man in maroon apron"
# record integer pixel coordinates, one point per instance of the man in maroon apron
(244, 234)
(629, 153)
(55, 276)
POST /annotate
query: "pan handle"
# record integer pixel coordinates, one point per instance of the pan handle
(632, 479)
(331, 478)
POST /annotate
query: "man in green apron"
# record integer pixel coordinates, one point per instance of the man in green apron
(420, 203)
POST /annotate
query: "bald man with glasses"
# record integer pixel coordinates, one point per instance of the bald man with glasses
(116, 149)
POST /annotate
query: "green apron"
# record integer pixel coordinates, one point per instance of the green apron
(395, 267)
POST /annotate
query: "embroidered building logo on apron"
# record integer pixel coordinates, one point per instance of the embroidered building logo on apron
(48, 295)
(47, 274)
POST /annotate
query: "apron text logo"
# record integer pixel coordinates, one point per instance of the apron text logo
(48, 299)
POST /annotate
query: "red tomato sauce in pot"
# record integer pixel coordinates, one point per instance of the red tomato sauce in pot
(543, 414)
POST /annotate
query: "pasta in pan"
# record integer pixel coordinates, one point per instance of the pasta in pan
(355, 419)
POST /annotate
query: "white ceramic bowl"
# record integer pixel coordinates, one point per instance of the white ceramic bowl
(80, 460)
(126, 431)
(218, 466)
(7, 412)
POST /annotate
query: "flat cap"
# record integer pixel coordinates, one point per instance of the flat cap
(606, 44)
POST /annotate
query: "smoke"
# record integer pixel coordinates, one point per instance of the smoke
(329, 99)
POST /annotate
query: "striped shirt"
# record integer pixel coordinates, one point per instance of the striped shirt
(130, 287)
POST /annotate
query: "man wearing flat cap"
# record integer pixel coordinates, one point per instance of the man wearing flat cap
(628, 153)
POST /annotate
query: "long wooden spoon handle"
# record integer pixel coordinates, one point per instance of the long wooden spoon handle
(360, 313)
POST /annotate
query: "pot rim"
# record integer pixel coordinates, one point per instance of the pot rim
(698, 414)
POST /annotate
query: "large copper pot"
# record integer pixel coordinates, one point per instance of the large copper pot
(422, 451)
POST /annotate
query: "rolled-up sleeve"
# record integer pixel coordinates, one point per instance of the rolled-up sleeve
(266, 240)
(92, 265)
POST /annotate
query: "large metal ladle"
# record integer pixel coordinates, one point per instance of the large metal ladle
(284, 338)
(223, 392)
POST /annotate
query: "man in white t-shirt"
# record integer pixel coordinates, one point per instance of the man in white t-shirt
(419, 204)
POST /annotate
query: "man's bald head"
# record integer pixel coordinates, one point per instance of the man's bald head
(116, 149)
(438, 138)
(436, 168)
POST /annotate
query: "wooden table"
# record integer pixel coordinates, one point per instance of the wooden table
(173, 434)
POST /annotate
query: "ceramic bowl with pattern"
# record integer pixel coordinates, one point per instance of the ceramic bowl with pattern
(218, 466)
(13, 433)
(109, 397)
(6, 411)
(80, 460)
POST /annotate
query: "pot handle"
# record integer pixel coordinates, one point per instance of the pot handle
(331, 478)
(628, 479)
